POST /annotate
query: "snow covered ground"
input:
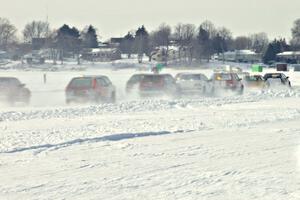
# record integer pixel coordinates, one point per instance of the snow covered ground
(235, 147)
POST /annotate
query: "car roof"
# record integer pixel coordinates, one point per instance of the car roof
(273, 73)
(157, 75)
(225, 73)
(253, 76)
(90, 77)
(189, 73)
(94, 76)
(8, 78)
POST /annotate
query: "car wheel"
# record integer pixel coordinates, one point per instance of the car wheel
(204, 90)
(241, 92)
(26, 102)
(68, 102)
(113, 97)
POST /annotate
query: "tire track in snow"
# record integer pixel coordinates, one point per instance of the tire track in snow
(112, 138)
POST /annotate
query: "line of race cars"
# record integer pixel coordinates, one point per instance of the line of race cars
(199, 84)
(101, 89)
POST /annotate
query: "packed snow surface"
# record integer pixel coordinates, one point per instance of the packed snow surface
(234, 147)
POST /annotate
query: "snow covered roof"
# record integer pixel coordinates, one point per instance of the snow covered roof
(241, 52)
(248, 52)
(97, 50)
(289, 53)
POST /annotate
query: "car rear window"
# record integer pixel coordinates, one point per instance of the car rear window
(9, 81)
(153, 79)
(81, 82)
(135, 78)
(194, 77)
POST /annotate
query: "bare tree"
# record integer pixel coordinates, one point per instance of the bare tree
(210, 28)
(161, 38)
(242, 42)
(7, 33)
(36, 29)
(259, 42)
(295, 42)
(185, 36)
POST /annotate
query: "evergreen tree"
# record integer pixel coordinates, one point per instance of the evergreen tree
(204, 44)
(67, 40)
(141, 43)
(126, 45)
(89, 37)
(219, 44)
(274, 48)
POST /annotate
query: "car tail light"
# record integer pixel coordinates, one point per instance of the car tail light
(143, 85)
(94, 84)
(230, 82)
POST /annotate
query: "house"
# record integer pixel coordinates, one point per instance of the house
(35, 57)
(289, 56)
(160, 54)
(101, 54)
(116, 42)
(246, 56)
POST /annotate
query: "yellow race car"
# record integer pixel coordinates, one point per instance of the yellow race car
(254, 82)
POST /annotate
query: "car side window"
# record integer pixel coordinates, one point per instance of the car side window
(204, 78)
(169, 79)
(134, 79)
(108, 82)
(235, 77)
(101, 82)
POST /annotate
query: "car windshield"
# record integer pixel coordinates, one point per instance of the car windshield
(273, 76)
(9, 82)
(253, 78)
(81, 82)
(135, 78)
(222, 77)
(194, 77)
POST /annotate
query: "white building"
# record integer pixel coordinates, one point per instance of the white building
(290, 56)
(102, 54)
(247, 56)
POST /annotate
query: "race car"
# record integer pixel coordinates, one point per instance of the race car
(227, 82)
(193, 84)
(254, 82)
(277, 80)
(13, 91)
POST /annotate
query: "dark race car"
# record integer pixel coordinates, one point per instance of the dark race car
(13, 91)
(277, 80)
(158, 85)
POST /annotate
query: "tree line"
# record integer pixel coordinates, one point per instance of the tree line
(193, 42)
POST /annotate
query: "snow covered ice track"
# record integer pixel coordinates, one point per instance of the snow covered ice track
(181, 149)
(237, 147)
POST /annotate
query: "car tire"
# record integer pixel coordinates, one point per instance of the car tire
(68, 102)
(113, 97)
(204, 91)
(241, 91)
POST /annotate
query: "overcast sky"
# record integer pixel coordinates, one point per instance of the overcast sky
(117, 17)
